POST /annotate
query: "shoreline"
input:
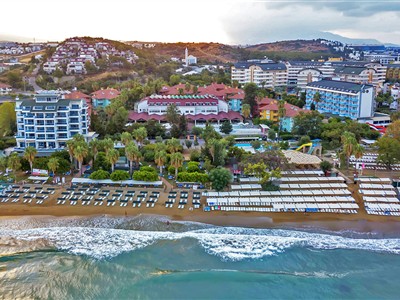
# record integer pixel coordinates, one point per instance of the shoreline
(381, 227)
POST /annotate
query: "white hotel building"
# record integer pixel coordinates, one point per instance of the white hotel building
(48, 121)
(264, 74)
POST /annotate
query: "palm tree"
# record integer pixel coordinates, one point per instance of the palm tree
(177, 161)
(173, 145)
(71, 144)
(140, 134)
(133, 154)
(29, 154)
(349, 144)
(126, 137)
(78, 138)
(107, 144)
(317, 98)
(112, 157)
(94, 146)
(53, 164)
(80, 152)
(160, 158)
(160, 147)
(281, 112)
(14, 163)
(246, 110)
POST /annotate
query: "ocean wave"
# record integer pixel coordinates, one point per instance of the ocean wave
(228, 243)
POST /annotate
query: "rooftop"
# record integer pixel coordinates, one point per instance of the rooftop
(342, 86)
(263, 66)
(106, 94)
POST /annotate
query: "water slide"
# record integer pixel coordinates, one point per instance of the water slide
(304, 145)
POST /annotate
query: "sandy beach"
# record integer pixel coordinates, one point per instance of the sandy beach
(333, 221)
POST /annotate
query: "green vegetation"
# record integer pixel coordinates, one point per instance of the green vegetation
(220, 178)
(119, 175)
(99, 175)
(146, 174)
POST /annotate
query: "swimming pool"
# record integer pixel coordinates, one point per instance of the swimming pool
(243, 145)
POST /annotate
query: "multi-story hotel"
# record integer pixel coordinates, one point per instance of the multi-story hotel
(264, 74)
(345, 99)
(48, 121)
(300, 73)
(196, 108)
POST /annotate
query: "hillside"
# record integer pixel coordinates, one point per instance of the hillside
(292, 46)
(220, 53)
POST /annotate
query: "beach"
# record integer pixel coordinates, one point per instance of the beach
(333, 221)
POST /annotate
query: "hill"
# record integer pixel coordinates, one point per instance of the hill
(292, 46)
(221, 53)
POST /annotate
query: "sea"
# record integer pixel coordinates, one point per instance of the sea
(152, 257)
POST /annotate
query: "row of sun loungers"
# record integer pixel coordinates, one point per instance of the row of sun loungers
(267, 209)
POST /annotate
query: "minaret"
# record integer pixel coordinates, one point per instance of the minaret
(186, 58)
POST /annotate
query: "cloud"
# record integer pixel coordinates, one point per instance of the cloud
(265, 22)
(353, 8)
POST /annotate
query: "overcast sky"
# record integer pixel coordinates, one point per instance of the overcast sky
(232, 22)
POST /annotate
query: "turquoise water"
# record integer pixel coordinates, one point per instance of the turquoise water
(143, 258)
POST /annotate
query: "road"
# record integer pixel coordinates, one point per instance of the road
(32, 79)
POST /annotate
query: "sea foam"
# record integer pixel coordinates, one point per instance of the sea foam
(225, 242)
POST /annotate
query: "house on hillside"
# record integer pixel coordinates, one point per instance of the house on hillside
(103, 97)
(5, 89)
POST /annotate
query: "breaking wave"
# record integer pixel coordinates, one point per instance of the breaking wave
(228, 243)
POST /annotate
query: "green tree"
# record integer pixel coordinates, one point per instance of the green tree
(14, 163)
(197, 131)
(388, 151)
(272, 134)
(176, 161)
(160, 158)
(350, 147)
(172, 115)
(112, 157)
(30, 154)
(250, 94)
(94, 145)
(7, 119)
(325, 166)
(80, 152)
(308, 123)
(182, 125)
(53, 164)
(226, 127)
(393, 130)
(305, 139)
(246, 110)
(140, 134)
(188, 143)
(173, 145)
(126, 138)
(317, 99)
(133, 154)
(107, 145)
(218, 151)
(281, 112)
(220, 178)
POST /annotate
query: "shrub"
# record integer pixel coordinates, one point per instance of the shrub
(192, 177)
(193, 166)
(119, 175)
(325, 166)
(145, 176)
(99, 175)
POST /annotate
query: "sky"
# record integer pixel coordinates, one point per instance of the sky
(230, 22)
